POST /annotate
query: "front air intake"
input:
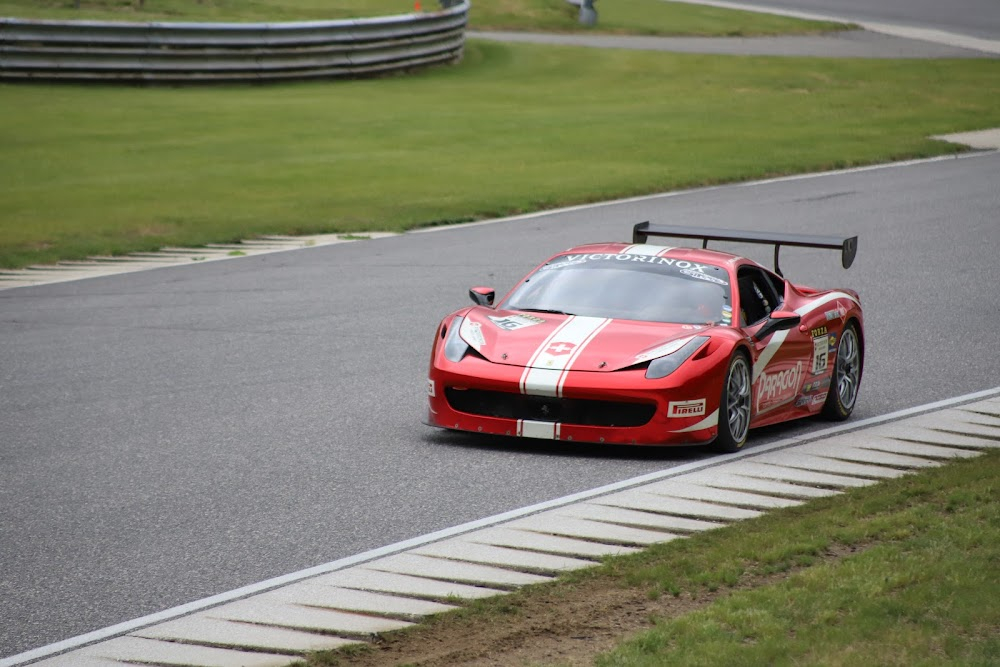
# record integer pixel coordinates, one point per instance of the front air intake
(583, 412)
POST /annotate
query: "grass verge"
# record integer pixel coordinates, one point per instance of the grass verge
(901, 573)
(643, 17)
(92, 170)
(204, 10)
(638, 17)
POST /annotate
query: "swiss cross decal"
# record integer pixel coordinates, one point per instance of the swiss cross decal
(558, 349)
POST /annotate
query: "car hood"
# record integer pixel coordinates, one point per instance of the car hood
(547, 340)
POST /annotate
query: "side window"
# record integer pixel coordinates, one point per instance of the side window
(757, 295)
(778, 284)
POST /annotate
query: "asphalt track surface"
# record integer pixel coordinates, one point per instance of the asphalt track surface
(979, 18)
(171, 434)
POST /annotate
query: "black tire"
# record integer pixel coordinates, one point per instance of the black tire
(734, 410)
(846, 380)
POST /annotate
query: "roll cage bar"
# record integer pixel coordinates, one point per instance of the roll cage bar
(848, 246)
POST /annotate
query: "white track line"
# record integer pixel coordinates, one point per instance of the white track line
(171, 257)
(96, 267)
(735, 184)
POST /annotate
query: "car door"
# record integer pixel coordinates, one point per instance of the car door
(780, 359)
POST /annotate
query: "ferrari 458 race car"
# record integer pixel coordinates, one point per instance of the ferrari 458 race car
(643, 344)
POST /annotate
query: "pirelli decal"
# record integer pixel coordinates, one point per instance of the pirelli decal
(550, 363)
(686, 408)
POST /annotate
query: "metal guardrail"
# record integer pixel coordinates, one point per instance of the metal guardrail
(224, 52)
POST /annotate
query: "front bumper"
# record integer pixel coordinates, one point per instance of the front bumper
(620, 407)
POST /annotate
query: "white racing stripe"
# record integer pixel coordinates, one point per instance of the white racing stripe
(646, 249)
(547, 369)
(707, 422)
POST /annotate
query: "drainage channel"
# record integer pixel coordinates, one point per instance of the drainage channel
(353, 600)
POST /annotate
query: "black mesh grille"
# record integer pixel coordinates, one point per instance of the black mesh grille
(543, 408)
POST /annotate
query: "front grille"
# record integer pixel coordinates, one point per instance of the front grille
(549, 409)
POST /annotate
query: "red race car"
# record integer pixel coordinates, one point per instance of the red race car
(643, 344)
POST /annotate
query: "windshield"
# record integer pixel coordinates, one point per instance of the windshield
(631, 287)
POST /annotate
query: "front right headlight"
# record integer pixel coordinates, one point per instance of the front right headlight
(454, 346)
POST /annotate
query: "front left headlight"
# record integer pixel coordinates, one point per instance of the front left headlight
(667, 364)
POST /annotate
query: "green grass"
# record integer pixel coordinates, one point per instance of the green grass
(204, 10)
(647, 17)
(923, 588)
(92, 170)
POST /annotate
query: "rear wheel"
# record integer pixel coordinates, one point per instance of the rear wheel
(734, 410)
(846, 376)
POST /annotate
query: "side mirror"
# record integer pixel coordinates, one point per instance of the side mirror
(779, 320)
(482, 296)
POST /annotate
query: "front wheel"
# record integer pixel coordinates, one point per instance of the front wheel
(846, 377)
(734, 410)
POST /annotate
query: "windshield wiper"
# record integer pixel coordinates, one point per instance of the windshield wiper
(543, 310)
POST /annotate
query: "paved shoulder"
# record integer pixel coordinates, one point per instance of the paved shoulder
(846, 44)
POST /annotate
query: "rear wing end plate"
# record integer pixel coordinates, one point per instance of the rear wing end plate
(848, 246)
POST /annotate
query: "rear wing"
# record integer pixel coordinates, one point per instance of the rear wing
(848, 246)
